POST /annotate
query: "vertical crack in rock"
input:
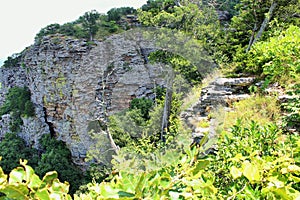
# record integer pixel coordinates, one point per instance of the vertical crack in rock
(50, 125)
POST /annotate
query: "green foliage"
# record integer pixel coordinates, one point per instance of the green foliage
(264, 167)
(276, 59)
(12, 61)
(258, 168)
(18, 104)
(13, 148)
(54, 157)
(143, 104)
(48, 30)
(23, 183)
(89, 23)
(115, 14)
(57, 157)
(222, 5)
(245, 25)
(179, 64)
(199, 22)
(292, 107)
(155, 6)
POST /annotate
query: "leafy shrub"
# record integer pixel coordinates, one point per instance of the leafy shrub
(13, 148)
(18, 104)
(115, 14)
(292, 107)
(277, 58)
(253, 161)
(12, 61)
(23, 183)
(143, 104)
(179, 64)
(57, 157)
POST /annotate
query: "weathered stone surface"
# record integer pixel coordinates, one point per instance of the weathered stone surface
(73, 84)
(220, 92)
(11, 77)
(4, 125)
(32, 130)
(224, 91)
(223, 15)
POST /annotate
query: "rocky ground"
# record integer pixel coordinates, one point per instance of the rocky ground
(220, 93)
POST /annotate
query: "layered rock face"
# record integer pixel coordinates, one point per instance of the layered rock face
(75, 83)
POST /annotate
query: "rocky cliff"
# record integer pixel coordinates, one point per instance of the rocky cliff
(74, 83)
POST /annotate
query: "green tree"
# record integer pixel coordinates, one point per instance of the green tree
(143, 104)
(253, 20)
(89, 23)
(48, 30)
(12, 61)
(13, 148)
(57, 157)
(115, 14)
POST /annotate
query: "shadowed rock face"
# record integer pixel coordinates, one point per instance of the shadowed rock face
(73, 84)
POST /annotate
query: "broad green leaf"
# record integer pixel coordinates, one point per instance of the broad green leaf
(235, 172)
(59, 187)
(200, 165)
(49, 177)
(128, 182)
(42, 194)
(108, 192)
(18, 192)
(251, 171)
(17, 175)
(3, 177)
(29, 171)
(35, 182)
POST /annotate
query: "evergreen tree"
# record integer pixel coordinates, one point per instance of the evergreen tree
(89, 23)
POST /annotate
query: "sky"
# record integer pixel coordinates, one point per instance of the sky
(21, 20)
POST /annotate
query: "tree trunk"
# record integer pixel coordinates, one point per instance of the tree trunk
(105, 113)
(252, 37)
(112, 142)
(177, 3)
(264, 24)
(167, 108)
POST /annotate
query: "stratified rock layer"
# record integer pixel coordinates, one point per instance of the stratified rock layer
(74, 84)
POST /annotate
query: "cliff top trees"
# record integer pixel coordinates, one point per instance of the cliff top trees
(115, 14)
(89, 22)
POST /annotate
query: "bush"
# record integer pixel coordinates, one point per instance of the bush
(12, 61)
(142, 104)
(292, 107)
(18, 104)
(115, 14)
(23, 183)
(13, 148)
(57, 157)
(276, 59)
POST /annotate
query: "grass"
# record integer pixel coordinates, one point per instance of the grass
(262, 109)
